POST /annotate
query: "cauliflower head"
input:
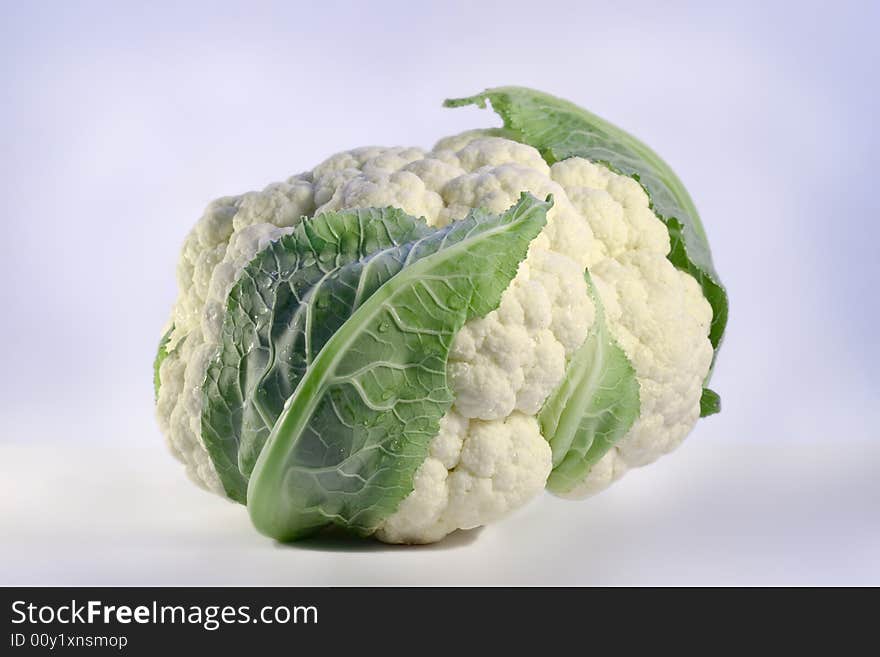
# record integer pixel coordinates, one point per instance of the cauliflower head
(577, 352)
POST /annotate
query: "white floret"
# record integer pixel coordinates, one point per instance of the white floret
(475, 473)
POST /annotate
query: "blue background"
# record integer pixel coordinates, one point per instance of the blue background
(119, 122)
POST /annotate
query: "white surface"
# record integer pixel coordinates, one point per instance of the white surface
(710, 515)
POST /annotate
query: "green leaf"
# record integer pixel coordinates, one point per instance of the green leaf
(594, 406)
(710, 403)
(279, 314)
(559, 130)
(336, 338)
(161, 354)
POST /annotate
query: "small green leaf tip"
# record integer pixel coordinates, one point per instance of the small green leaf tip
(710, 403)
(161, 355)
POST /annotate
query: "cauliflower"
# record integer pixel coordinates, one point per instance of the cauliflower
(407, 343)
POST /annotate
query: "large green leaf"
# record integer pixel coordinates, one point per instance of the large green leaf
(331, 380)
(594, 406)
(280, 313)
(559, 130)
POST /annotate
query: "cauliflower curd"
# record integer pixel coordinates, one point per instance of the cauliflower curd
(490, 456)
